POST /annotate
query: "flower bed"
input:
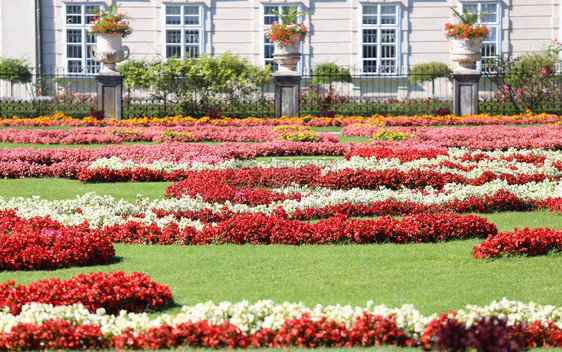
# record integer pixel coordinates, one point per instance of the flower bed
(520, 242)
(262, 229)
(68, 163)
(41, 244)
(280, 325)
(486, 138)
(113, 291)
(59, 119)
(117, 135)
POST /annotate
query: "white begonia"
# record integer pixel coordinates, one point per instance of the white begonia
(251, 318)
(105, 210)
(496, 166)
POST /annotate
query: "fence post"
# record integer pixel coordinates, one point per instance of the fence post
(287, 94)
(110, 91)
(465, 93)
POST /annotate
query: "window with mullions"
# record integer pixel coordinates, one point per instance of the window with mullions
(268, 18)
(491, 46)
(77, 39)
(183, 30)
(380, 29)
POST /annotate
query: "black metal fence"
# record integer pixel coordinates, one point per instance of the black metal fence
(321, 95)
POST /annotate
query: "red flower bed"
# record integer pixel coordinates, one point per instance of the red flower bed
(53, 335)
(488, 334)
(262, 229)
(112, 291)
(388, 152)
(520, 242)
(215, 192)
(44, 244)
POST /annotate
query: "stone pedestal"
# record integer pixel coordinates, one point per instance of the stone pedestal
(110, 90)
(465, 94)
(287, 94)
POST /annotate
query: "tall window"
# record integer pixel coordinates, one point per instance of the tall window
(77, 39)
(268, 18)
(184, 30)
(491, 46)
(380, 30)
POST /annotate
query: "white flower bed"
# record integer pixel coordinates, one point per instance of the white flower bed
(105, 210)
(251, 318)
(497, 166)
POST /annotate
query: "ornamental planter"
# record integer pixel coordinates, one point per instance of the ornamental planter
(109, 51)
(287, 56)
(466, 51)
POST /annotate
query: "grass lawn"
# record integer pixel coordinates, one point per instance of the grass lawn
(432, 277)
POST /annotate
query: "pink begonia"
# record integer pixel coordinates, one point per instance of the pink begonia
(479, 137)
(506, 87)
(543, 71)
(519, 91)
(117, 135)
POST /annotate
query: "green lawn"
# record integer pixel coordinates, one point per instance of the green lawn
(432, 277)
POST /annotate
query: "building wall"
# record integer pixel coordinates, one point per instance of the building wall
(17, 36)
(236, 26)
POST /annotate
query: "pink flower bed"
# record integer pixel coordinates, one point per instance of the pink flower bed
(488, 334)
(480, 137)
(43, 244)
(112, 291)
(68, 163)
(116, 135)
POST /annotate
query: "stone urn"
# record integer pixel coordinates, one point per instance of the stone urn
(466, 51)
(287, 56)
(109, 51)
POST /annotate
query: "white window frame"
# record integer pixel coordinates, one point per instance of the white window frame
(265, 45)
(380, 26)
(492, 25)
(88, 65)
(182, 27)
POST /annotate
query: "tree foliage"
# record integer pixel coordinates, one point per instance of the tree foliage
(204, 79)
(329, 72)
(15, 70)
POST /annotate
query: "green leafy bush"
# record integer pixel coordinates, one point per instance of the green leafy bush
(329, 72)
(202, 80)
(428, 72)
(528, 82)
(14, 71)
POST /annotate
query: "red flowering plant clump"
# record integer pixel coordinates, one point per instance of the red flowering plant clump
(54, 334)
(110, 21)
(112, 291)
(43, 244)
(468, 26)
(287, 30)
(520, 242)
(282, 34)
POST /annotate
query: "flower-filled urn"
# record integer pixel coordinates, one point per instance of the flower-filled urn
(287, 35)
(110, 27)
(466, 40)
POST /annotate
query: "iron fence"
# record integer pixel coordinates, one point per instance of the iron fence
(354, 93)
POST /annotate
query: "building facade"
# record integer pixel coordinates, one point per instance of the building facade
(371, 36)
